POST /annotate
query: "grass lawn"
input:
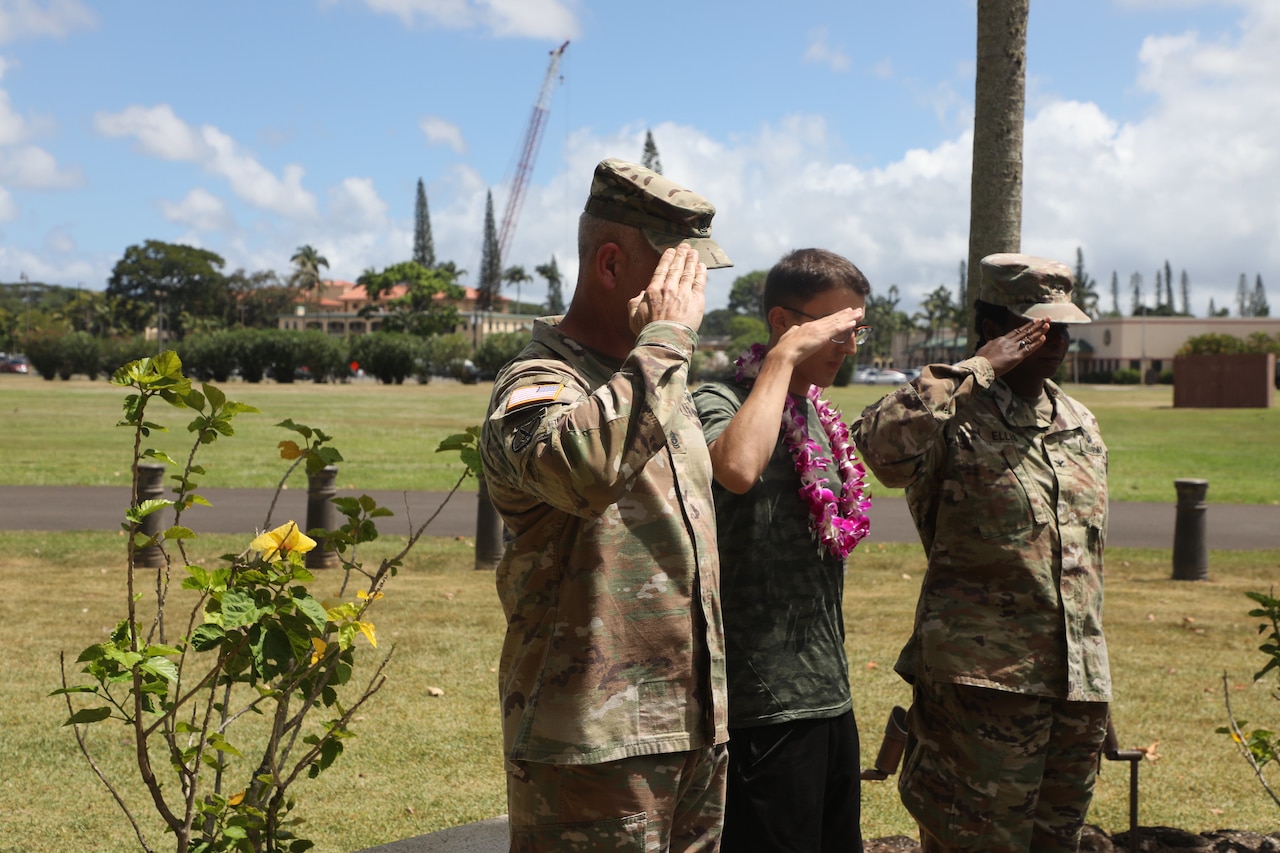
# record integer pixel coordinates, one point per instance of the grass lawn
(422, 763)
(62, 433)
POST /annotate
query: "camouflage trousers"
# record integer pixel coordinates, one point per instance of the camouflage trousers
(996, 771)
(646, 804)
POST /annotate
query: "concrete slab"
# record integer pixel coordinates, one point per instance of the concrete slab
(485, 836)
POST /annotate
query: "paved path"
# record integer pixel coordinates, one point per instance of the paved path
(1136, 525)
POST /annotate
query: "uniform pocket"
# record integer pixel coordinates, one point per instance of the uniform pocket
(624, 834)
(947, 806)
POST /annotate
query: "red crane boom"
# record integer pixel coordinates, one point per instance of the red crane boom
(528, 153)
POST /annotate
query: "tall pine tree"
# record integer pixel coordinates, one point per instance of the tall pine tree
(650, 159)
(1258, 302)
(490, 260)
(424, 248)
(1185, 283)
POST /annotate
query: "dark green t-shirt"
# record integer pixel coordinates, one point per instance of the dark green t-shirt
(783, 623)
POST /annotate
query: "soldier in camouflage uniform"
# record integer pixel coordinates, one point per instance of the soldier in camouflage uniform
(793, 745)
(612, 672)
(1005, 476)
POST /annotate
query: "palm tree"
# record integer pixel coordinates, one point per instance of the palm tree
(555, 295)
(307, 262)
(516, 275)
(936, 313)
(995, 195)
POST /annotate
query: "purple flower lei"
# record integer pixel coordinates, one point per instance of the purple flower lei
(838, 523)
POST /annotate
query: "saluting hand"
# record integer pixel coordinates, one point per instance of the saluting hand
(1012, 348)
(676, 293)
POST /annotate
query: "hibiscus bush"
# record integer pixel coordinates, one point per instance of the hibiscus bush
(258, 685)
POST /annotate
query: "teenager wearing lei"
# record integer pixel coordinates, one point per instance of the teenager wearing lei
(791, 504)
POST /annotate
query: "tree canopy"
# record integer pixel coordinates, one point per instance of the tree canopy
(417, 311)
(747, 294)
(180, 281)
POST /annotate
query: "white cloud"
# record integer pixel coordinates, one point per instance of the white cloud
(160, 133)
(157, 130)
(355, 203)
(8, 207)
(440, 131)
(30, 167)
(21, 19)
(200, 209)
(549, 19)
(822, 53)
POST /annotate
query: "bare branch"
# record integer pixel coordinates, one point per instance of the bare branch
(1242, 744)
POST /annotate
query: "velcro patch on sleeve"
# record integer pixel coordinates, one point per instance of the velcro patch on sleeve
(531, 394)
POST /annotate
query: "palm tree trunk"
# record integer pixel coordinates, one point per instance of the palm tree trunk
(995, 196)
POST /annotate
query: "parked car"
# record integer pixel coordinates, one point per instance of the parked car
(888, 376)
(912, 373)
(863, 375)
(14, 363)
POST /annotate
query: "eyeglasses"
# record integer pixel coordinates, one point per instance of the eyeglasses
(860, 334)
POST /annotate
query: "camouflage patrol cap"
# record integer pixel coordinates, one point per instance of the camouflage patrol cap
(665, 212)
(1035, 288)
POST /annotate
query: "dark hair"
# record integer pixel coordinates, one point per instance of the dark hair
(998, 314)
(805, 273)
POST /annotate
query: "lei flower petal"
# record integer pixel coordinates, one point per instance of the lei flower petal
(838, 523)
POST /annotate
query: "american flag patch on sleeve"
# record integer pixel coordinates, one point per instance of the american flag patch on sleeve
(533, 394)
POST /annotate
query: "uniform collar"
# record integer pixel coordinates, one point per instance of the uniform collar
(1019, 413)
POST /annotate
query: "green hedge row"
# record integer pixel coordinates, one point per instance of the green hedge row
(281, 355)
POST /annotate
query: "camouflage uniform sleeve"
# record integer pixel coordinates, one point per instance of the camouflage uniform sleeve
(900, 437)
(580, 451)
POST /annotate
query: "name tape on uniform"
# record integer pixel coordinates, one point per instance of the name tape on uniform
(534, 394)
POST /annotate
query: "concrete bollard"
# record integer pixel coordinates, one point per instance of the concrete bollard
(321, 489)
(150, 487)
(1190, 546)
(489, 543)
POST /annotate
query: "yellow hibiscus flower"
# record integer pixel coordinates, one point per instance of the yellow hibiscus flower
(275, 544)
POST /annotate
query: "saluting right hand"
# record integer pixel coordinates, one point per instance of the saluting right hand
(1012, 348)
(676, 293)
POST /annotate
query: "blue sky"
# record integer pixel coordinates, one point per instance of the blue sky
(1153, 131)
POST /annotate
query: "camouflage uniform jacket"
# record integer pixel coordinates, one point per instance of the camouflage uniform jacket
(783, 622)
(1012, 515)
(611, 585)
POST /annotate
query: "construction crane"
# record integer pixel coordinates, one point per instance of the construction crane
(528, 153)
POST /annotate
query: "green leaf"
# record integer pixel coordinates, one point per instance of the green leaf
(142, 510)
(177, 531)
(152, 453)
(82, 688)
(207, 636)
(162, 667)
(88, 715)
(310, 608)
(94, 652)
(215, 395)
(238, 609)
(300, 429)
(158, 649)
